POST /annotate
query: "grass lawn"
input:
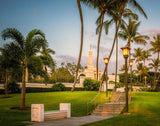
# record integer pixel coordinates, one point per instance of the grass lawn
(50, 100)
(144, 109)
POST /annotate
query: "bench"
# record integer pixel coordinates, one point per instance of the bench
(38, 114)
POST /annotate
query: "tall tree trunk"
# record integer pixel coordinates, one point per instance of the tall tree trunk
(23, 88)
(44, 67)
(117, 28)
(26, 76)
(6, 83)
(106, 81)
(116, 62)
(81, 45)
(143, 72)
(99, 38)
(155, 74)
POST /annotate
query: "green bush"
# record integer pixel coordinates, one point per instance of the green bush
(118, 84)
(91, 84)
(58, 87)
(13, 87)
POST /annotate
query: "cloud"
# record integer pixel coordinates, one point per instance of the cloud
(151, 32)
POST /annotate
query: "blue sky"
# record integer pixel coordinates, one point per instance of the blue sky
(59, 20)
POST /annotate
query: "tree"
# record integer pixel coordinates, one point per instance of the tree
(145, 56)
(156, 45)
(139, 68)
(26, 47)
(103, 6)
(137, 54)
(63, 75)
(7, 62)
(47, 58)
(129, 32)
(115, 19)
(81, 45)
(123, 4)
(155, 64)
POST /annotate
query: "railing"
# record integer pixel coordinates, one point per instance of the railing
(93, 100)
(116, 102)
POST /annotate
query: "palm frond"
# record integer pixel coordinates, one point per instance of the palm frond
(15, 35)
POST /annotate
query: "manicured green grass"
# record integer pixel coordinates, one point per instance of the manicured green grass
(144, 109)
(50, 100)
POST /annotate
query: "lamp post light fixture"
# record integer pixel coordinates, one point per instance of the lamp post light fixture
(130, 64)
(106, 60)
(126, 54)
(145, 77)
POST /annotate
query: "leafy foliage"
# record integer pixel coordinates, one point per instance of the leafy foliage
(58, 87)
(13, 87)
(91, 84)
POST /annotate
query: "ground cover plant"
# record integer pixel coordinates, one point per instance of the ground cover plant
(144, 109)
(50, 100)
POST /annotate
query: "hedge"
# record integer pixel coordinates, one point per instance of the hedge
(36, 90)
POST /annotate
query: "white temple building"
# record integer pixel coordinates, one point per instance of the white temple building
(90, 72)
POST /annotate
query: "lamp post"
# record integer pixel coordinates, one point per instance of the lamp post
(126, 54)
(130, 64)
(106, 60)
(145, 77)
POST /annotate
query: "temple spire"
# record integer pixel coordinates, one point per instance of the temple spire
(90, 62)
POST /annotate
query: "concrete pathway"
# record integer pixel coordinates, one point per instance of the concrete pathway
(73, 121)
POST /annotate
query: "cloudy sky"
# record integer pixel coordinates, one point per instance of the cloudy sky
(59, 20)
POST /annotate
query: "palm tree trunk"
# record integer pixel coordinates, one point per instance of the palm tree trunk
(99, 37)
(23, 88)
(26, 76)
(143, 72)
(6, 84)
(116, 62)
(44, 67)
(106, 82)
(117, 28)
(81, 46)
(155, 74)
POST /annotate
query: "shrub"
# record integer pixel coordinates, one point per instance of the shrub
(118, 84)
(91, 84)
(13, 87)
(58, 87)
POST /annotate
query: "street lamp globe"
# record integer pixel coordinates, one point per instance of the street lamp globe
(106, 60)
(125, 51)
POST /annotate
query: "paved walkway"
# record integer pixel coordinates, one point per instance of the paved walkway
(73, 121)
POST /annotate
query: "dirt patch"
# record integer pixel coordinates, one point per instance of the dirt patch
(21, 109)
(5, 97)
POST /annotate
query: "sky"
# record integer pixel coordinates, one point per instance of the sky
(60, 21)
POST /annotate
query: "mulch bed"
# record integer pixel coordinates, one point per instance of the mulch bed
(21, 109)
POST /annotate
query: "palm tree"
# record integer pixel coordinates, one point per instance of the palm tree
(103, 6)
(47, 58)
(7, 62)
(114, 19)
(122, 4)
(27, 47)
(156, 45)
(81, 45)
(155, 64)
(129, 32)
(145, 56)
(139, 68)
(137, 54)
